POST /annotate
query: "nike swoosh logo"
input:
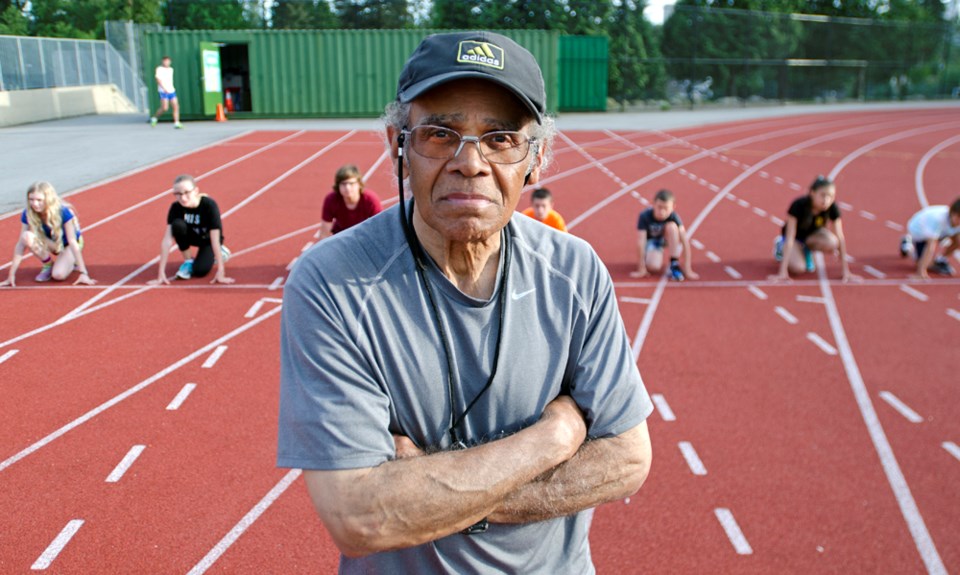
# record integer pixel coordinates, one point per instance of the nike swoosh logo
(522, 294)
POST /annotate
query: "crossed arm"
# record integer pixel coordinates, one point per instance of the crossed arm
(544, 471)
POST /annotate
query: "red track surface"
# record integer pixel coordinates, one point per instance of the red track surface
(786, 447)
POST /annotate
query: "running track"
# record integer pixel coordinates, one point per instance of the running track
(805, 428)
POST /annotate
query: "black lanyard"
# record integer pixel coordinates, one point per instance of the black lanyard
(420, 258)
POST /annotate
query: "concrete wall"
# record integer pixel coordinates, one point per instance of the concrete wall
(27, 106)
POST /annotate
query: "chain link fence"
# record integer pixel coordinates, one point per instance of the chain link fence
(34, 63)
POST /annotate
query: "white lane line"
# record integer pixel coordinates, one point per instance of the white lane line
(306, 247)
(810, 299)
(845, 206)
(952, 449)
(230, 538)
(640, 300)
(50, 553)
(898, 483)
(696, 243)
(874, 272)
(276, 284)
(254, 309)
(714, 188)
(648, 318)
(693, 460)
(743, 203)
(786, 315)
(692, 177)
(214, 357)
(292, 263)
(901, 407)
(734, 534)
(777, 221)
(732, 272)
(134, 390)
(125, 463)
(764, 174)
(713, 257)
(759, 293)
(760, 212)
(663, 408)
(8, 355)
(181, 397)
(922, 166)
(795, 187)
(778, 180)
(271, 299)
(953, 313)
(821, 343)
(914, 293)
(893, 226)
(703, 182)
(868, 215)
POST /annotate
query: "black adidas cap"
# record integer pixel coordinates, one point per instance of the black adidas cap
(441, 58)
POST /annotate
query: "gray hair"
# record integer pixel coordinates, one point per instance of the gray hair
(185, 178)
(397, 114)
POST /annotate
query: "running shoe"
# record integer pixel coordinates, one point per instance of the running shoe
(178, 126)
(186, 270)
(224, 253)
(153, 122)
(675, 274)
(778, 248)
(808, 259)
(906, 246)
(46, 272)
(942, 266)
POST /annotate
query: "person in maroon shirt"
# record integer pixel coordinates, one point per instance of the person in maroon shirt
(348, 204)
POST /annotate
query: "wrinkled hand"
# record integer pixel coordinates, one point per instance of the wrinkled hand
(86, 280)
(639, 273)
(10, 281)
(405, 447)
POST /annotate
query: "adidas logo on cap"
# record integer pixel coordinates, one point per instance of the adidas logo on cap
(482, 53)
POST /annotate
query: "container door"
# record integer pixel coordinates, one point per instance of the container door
(212, 85)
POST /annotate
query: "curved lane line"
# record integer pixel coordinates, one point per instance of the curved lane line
(922, 166)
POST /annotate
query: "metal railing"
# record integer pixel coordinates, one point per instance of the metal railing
(32, 63)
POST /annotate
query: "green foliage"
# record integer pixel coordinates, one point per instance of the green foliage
(13, 22)
(302, 15)
(373, 14)
(211, 15)
(628, 73)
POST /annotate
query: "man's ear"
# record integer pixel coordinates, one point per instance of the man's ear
(533, 176)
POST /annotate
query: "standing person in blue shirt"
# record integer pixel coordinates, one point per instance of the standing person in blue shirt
(457, 383)
(51, 231)
(193, 222)
(660, 230)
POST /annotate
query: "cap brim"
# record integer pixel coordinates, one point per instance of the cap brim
(425, 86)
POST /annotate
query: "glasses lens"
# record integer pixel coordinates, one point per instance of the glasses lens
(495, 147)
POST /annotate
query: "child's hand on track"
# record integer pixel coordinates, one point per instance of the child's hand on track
(690, 274)
(220, 279)
(162, 280)
(86, 280)
(639, 273)
(779, 278)
(10, 281)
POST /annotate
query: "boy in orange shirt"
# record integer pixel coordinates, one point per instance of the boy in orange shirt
(541, 209)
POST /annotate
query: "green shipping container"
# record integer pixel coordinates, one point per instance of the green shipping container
(303, 73)
(583, 73)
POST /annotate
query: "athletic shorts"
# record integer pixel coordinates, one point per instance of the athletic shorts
(167, 95)
(655, 244)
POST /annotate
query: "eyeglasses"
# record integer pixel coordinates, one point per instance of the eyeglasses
(185, 193)
(440, 143)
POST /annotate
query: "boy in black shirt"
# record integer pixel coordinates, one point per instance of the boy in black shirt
(806, 231)
(194, 221)
(659, 227)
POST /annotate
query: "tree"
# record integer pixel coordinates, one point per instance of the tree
(373, 14)
(13, 22)
(211, 14)
(628, 75)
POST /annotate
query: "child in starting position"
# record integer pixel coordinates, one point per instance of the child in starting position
(925, 232)
(660, 228)
(806, 231)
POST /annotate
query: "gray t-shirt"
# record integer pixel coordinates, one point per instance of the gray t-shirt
(361, 359)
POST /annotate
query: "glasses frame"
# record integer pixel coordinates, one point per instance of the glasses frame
(530, 141)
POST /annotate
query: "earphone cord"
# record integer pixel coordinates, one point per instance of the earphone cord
(418, 256)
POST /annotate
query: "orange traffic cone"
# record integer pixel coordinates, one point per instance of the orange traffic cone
(221, 116)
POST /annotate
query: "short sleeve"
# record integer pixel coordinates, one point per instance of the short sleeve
(798, 208)
(172, 213)
(212, 215)
(66, 214)
(329, 213)
(23, 217)
(833, 212)
(643, 222)
(333, 413)
(606, 383)
(373, 204)
(675, 218)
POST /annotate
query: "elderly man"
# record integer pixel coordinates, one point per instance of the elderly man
(457, 384)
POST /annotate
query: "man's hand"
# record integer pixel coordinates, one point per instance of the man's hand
(566, 415)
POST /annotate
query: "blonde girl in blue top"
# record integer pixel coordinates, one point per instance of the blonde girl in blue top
(51, 231)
